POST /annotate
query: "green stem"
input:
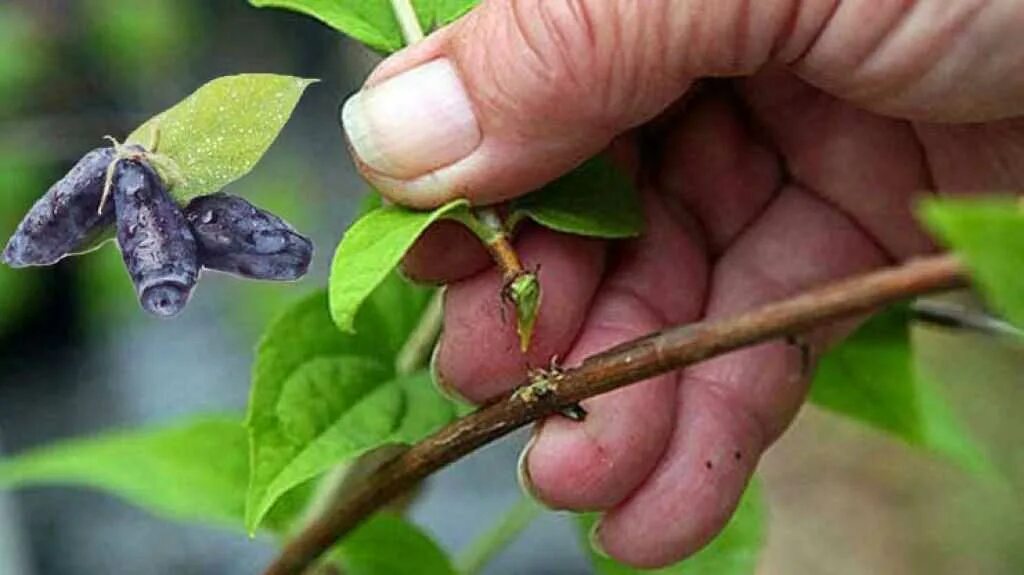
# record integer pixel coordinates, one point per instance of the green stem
(496, 237)
(412, 32)
(485, 232)
(492, 543)
(486, 225)
(417, 349)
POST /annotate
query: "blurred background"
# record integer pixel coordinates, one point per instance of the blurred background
(77, 356)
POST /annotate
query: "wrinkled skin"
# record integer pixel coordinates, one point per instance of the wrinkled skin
(800, 167)
(156, 243)
(66, 218)
(236, 237)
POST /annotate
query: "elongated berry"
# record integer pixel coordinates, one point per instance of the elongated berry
(66, 219)
(236, 237)
(157, 245)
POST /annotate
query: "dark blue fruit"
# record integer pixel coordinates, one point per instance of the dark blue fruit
(66, 219)
(158, 247)
(236, 237)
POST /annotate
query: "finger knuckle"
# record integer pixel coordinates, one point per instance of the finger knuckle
(559, 70)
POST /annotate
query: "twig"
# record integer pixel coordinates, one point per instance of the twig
(629, 363)
(957, 316)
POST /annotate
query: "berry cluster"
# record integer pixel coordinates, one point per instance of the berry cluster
(164, 246)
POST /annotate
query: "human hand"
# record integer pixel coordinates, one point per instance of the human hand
(800, 169)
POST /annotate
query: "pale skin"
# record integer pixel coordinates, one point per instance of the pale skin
(800, 165)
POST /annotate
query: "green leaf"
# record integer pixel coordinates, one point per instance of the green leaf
(302, 338)
(221, 131)
(305, 332)
(371, 249)
(373, 22)
(332, 411)
(194, 471)
(872, 378)
(390, 545)
(734, 552)
(989, 236)
(594, 200)
(447, 11)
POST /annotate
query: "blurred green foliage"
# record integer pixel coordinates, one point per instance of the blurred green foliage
(140, 43)
(20, 175)
(23, 55)
(872, 377)
(988, 235)
(22, 58)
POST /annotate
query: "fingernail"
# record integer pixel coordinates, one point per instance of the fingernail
(413, 123)
(442, 385)
(523, 469)
(595, 540)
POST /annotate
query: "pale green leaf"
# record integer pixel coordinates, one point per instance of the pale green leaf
(194, 471)
(332, 411)
(989, 236)
(221, 131)
(871, 377)
(734, 552)
(596, 199)
(390, 545)
(371, 249)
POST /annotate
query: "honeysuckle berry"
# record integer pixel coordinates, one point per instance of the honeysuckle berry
(67, 218)
(237, 237)
(157, 245)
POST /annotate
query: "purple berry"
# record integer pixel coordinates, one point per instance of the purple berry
(66, 219)
(236, 237)
(157, 245)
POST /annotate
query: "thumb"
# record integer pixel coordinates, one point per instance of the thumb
(512, 96)
(521, 91)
